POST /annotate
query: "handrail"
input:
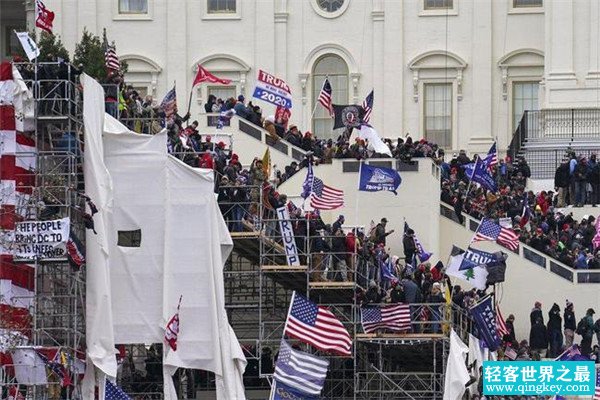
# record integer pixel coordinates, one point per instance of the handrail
(534, 256)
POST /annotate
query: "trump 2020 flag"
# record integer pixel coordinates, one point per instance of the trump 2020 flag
(481, 174)
(375, 179)
(281, 391)
(299, 370)
(485, 318)
(479, 258)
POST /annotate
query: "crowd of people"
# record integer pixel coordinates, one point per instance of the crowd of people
(542, 220)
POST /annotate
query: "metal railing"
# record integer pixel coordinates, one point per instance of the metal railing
(550, 264)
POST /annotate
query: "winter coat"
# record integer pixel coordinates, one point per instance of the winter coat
(570, 322)
(411, 291)
(538, 337)
(535, 314)
(561, 176)
(554, 319)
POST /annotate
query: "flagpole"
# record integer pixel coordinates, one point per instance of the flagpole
(190, 104)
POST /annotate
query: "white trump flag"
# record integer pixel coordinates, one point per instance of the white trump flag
(367, 132)
(29, 45)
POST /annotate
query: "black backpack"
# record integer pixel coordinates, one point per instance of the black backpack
(581, 327)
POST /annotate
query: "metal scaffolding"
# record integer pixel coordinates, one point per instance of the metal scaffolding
(57, 309)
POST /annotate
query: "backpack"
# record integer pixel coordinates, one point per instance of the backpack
(581, 327)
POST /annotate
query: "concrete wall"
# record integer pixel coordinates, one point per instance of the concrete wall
(417, 202)
(525, 282)
(392, 46)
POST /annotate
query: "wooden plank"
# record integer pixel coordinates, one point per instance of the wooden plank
(284, 268)
(331, 285)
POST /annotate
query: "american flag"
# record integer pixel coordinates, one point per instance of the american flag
(491, 160)
(501, 323)
(325, 197)
(367, 105)
(172, 329)
(325, 96)
(317, 326)
(597, 392)
(169, 104)
(113, 392)
(300, 370)
(110, 58)
(395, 318)
(489, 230)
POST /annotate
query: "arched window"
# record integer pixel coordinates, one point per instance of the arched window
(336, 69)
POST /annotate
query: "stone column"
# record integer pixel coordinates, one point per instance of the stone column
(594, 37)
(177, 68)
(378, 17)
(281, 48)
(481, 135)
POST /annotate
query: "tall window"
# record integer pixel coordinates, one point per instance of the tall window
(222, 6)
(438, 4)
(222, 92)
(525, 97)
(335, 68)
(527, 3)
(133, 6)
(438, 113)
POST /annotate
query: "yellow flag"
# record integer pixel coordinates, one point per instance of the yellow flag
(448, 310)
(266, 161)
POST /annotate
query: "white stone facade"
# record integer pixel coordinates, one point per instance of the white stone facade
(497, 56)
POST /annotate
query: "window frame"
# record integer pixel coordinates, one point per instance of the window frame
(129, 239)
(512, 9)
(118, 16)
(207, 15)
(436, 82)
(513, 82)
(438, 11)
(332, 14)
(316, 90)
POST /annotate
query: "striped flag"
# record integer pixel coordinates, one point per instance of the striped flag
(316, 326)
(172, 329)
(111, 61)
(488, 230)
(300, 370)
(501, 323)
(596, 239)
(492, 157)
(169, 104)
(325, 96)
(394, 318)
(44, 18)
(367, 105)
(597, 392)
(325, 197)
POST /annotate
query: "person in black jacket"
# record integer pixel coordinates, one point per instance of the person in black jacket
(510, 325)
(570, 324)
(561, 183)
(538, 338)
(536, 313)
(380, 233)
(408, 242)
(338, 248)
(555, 337)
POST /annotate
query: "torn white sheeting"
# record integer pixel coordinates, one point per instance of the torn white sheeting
(30, 369)
(375, 144)
(183, 244)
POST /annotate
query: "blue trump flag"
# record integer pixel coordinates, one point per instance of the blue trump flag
(481, 174)
(280, 391)
(484, 315)
(479, 258)
(375, 179)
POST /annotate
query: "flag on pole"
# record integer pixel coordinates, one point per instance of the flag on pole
(491, 160)
(485, 318)
(31, 49)
(204, 76)
(597, 392)
(281, 391)
(317, 326)
(308, 182)
(423, 255)
(596, 239)
(113, 392)
(172, 329)
(501, 323)
(266, 163)
(394, 318)
(488, 230)
(111, 61)
(169, 104)
(368, 107)
(299, 370)
(476, 276)
(75, 250)
(368, 133)
(573, 353)
(525, 214)
(457, 375)
(43, 17)
(480, 173)
(374, 179)
(325, 97)
(325, 197)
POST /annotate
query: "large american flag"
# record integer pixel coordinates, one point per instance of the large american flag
(368, 107)
(325, 197)
(597, 392)
(501, 323)
(300, 370)
(110, 58)
(169, 104)
(325, 96)
(317, 326)
(491, 159)
(395, 318)
(490, 231)
(113, 392)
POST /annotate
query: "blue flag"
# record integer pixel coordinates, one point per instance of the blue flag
(280, 391)
(479, 258)
(423, 254)
(387, 269)
(375, 179)
(572, 354)
(481, 174)
(484, 315)
(309, 181)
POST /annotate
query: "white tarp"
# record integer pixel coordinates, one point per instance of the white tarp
(30, 369)
(183, 244)
(457, 374)
(41, 240)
